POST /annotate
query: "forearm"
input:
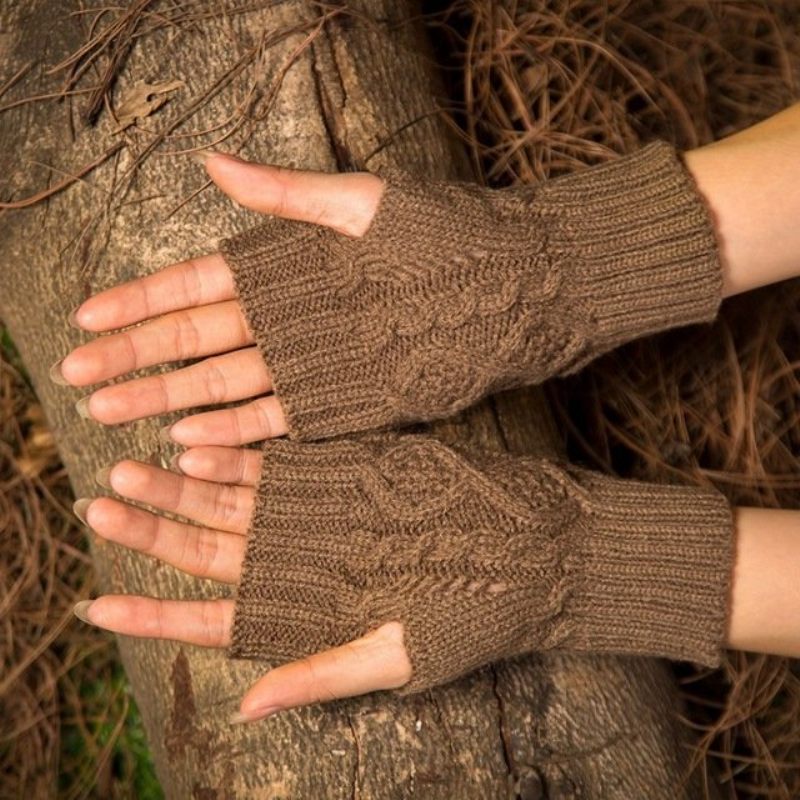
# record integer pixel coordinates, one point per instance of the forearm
(765, 601)
(751, 182)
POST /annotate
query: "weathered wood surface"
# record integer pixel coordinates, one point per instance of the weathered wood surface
(540, 727)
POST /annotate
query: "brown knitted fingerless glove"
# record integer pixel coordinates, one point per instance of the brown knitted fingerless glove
(480, 555)
(456, 291)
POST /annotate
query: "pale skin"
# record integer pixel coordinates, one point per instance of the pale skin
(189, 310)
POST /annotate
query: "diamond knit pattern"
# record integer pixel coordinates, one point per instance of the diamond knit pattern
(480, 555)
(456, 291)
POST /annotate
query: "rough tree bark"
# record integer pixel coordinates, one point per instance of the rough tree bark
(545, 726)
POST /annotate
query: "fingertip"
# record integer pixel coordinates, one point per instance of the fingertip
(243, 717)
(259, 703)
(82, 407)
(73, 317)
(85, 318)
(103, 406)
(103, 477)
(81, 611)
(172, 434)
(80, 508)
(56, 373)
(108, 475)
(175, 464)
(220, 165)
(189, 462)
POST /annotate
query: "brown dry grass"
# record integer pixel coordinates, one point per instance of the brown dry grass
(541, 88)
(69, 726)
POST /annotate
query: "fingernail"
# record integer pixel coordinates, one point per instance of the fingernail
(174, 465)
(72, 318)
(82, 407)
(163, 434)
(103, 477)
(79, 508)
(56, 375)
(202, 156)
(80, 609)
(239, 717)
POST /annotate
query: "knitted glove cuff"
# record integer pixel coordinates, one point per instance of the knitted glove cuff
(456, 291)
(481, 556)
(658, 569)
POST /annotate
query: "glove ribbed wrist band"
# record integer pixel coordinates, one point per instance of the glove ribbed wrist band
(457, 291)
(480, 555)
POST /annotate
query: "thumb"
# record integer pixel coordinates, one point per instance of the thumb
(344, 201)
(375, 661)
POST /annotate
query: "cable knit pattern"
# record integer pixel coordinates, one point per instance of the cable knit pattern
(481, 555)
(456, 291)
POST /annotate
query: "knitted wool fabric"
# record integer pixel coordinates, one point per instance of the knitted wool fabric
(456, 291)
(480, 555)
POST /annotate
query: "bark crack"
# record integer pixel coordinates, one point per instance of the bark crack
(502, 725)
(332, 112)
(443, 722)
(356, 793)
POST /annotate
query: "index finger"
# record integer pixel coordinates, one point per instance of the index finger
(203, 622)
(195, 282)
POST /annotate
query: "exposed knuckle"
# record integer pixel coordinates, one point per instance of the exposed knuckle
(211, 620)
(281, 200)
(243, 329)
(320, 212)
(158, 620)
(131, 356)
(192, 282)
(226, 508)
(319, 691)
(161, 386)
(241, 466)
(206, 552)
(216, 382)
(151, 525)
(263, 419)
(144, 298)
(236, 425)
(185, 334)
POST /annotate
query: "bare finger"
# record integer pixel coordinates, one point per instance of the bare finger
(218, 379)
(202, 622)
(197, 551)
(215, 505)
(189, 333)
(223, 464)
(253, 422)
(195, 282)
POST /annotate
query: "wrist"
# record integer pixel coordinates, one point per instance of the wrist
(751, 184)
(765, 597)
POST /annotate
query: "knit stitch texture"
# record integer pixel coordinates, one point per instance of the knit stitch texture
(456, 291)
(480, 555)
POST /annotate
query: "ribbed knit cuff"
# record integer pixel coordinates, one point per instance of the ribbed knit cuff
(289, 281)
(658, 569)
(299, 591)
(641, 242)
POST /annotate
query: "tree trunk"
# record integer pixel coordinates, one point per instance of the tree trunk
(545, 726)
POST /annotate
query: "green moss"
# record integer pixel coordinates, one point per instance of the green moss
(11, 355)
(107, 756)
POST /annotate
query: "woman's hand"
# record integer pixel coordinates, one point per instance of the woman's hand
(217, 492)
(189, 311)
